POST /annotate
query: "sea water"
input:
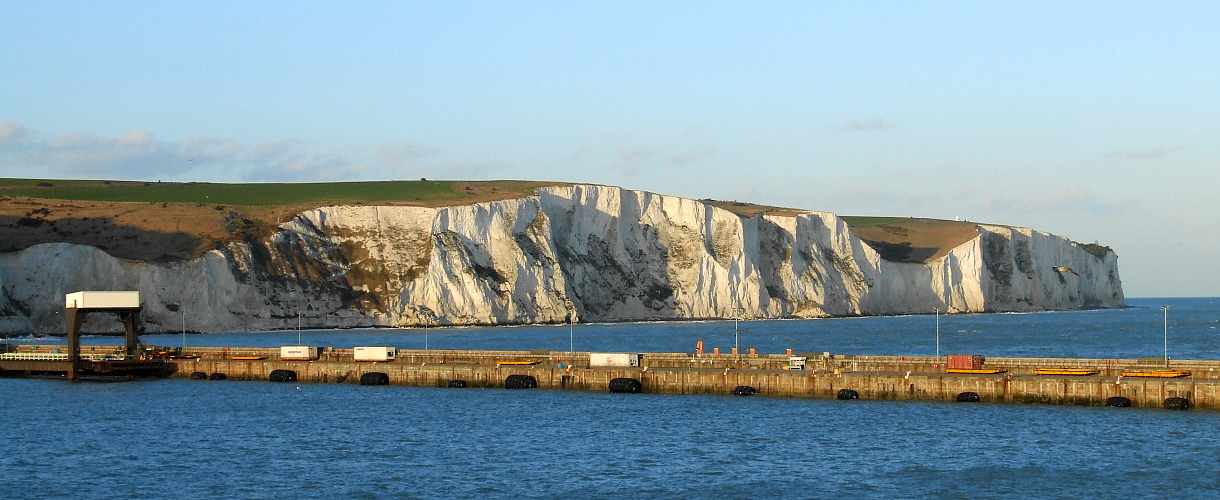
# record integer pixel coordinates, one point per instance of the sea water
(177, 438)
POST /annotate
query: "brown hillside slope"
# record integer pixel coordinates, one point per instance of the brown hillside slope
(96, 213)
(162, 222)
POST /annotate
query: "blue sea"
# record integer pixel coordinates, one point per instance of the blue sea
(177, 438)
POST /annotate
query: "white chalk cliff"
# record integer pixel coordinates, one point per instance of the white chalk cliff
(599, 253)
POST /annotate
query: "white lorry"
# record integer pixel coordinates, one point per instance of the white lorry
(373, 353)
(299, 352)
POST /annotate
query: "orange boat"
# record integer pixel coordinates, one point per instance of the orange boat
(1158, 374)
(1074, 372)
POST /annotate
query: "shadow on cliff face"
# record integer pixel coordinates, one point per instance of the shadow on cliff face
(615, 270)
(901, 252)
(776, 260)
(294, 264)
(124, 242)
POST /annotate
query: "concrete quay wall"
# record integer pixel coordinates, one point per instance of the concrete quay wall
(1092, 390)
(1200, 369)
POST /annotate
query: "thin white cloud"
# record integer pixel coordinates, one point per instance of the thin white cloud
(1141, 154)
(1066, 200)
(688, 157)
(11, 133)
(866, 125)
(634, 160)
(636, 154)
(401, 153)
(630, 162)
(293, 166)
(138, 154)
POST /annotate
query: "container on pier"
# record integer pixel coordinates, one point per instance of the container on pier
(373, 353)
(614, 359)
(299, 352)
(964, 361)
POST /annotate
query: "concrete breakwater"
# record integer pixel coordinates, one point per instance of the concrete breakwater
(824, 376)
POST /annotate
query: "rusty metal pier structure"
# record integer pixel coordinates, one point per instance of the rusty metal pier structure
(79, 305)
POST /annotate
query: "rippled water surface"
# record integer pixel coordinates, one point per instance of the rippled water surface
(200, 439)
(203, 439)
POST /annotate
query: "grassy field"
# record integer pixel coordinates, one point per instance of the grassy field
(429, 193)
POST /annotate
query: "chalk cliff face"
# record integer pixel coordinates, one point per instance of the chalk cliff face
(595, 253)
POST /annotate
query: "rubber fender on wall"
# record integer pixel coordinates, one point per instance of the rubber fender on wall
(968, 397)
(374, 378)
(847, 394)
(744, 390)
(1177, 404)
(520, 382)
(282, 376)
(626, 385)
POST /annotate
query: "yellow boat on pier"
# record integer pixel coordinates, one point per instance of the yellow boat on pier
(1074, 372)
(1158, 373)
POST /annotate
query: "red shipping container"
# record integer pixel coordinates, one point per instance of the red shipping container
(964, 361)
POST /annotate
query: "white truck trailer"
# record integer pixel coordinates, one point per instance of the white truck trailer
(614, 359)
(373, 353)
(299, 352)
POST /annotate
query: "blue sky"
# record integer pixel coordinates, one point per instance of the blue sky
(1096, 121)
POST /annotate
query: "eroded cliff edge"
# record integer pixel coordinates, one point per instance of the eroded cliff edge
(596, 252)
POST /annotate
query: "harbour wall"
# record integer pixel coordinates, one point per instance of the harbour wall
(1200, 369)
(883, 379)
(824, 375)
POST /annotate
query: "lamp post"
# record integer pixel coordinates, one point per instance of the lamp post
(938, 334)
(1165, 311)
(736, 334)
(184, 328)
(571, 329)
(298, 327)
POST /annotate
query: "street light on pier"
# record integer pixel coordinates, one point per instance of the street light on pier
(427, 325)
(1165, 311)
(736, 333)
(571, 329)
(938, 334)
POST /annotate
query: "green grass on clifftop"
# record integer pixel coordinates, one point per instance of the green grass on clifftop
(269, 194)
